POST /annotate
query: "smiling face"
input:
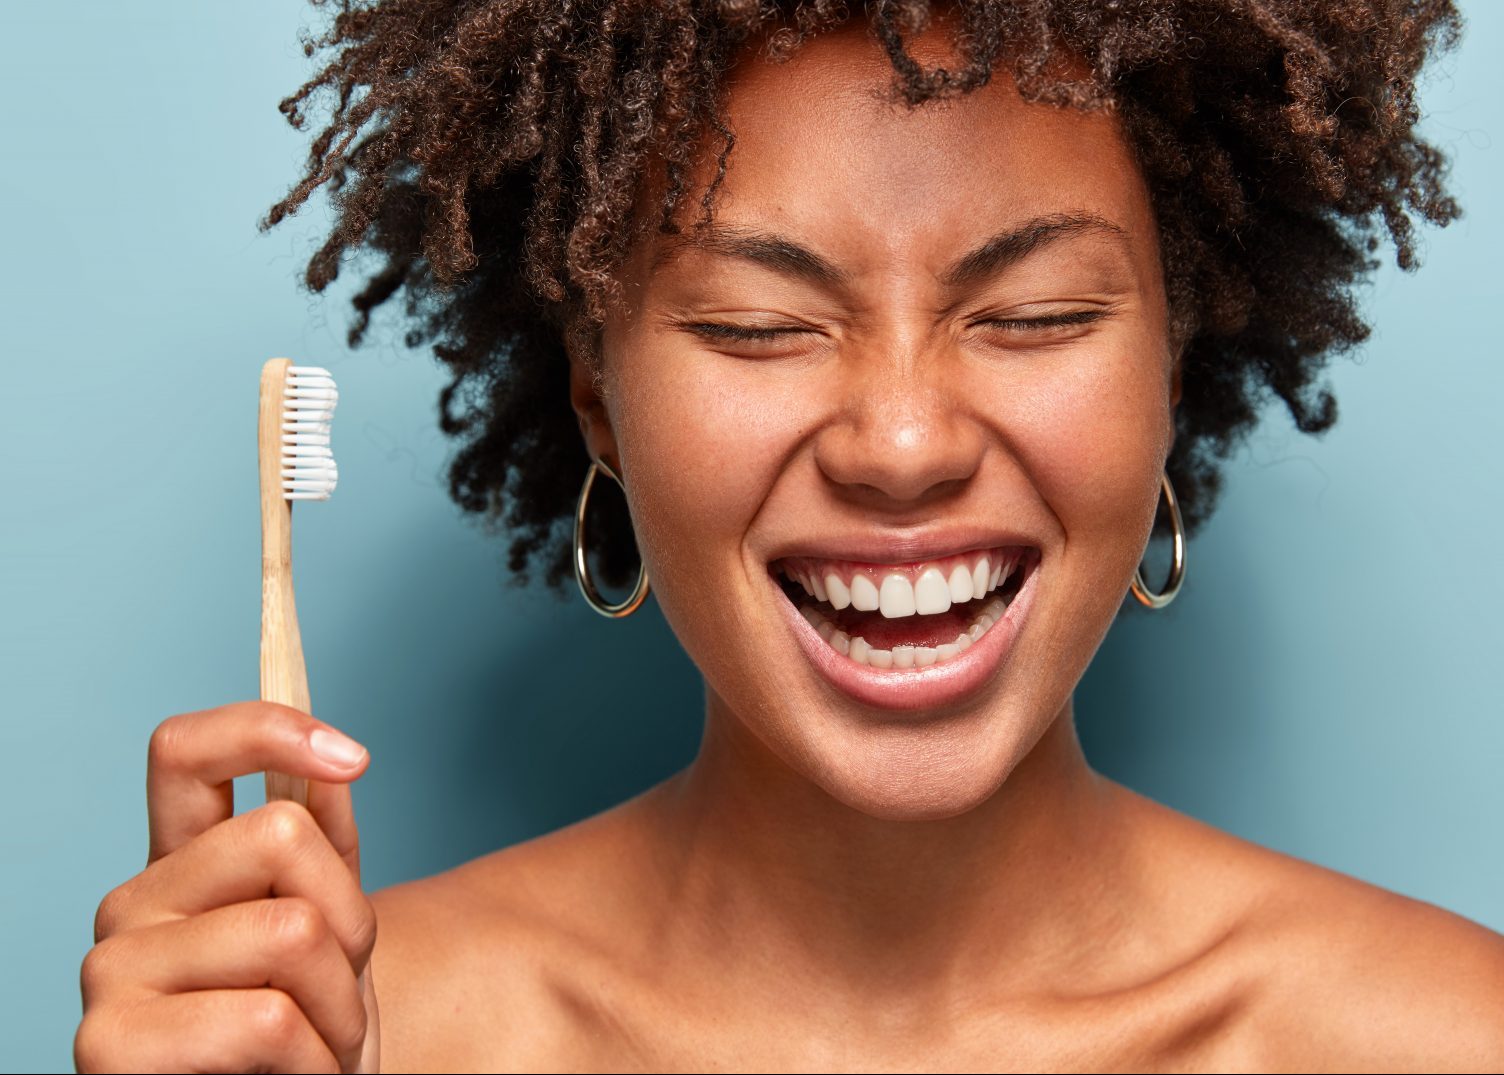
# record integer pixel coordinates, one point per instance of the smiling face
(921, 364)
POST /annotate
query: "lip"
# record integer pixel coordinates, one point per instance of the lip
(910, 689)
(894, 550)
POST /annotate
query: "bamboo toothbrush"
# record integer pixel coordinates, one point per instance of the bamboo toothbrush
(297, 404)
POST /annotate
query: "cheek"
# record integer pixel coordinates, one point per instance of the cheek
(707, 436)
(1092, 438)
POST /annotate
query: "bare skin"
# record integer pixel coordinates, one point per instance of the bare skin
(826, 887)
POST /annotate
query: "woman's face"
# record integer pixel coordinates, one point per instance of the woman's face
(923, 351)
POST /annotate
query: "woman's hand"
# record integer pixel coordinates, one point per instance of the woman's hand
(244, 943)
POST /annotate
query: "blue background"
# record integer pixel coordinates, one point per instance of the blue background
(1326, 683)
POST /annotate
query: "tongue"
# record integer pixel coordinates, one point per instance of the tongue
(882, 633)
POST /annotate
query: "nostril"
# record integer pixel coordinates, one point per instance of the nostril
(904, 462)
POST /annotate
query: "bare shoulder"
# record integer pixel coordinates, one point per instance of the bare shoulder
(480, 967)
(1383, 979)
(1340, 974)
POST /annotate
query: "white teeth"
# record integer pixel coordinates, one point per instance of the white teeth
(896, 598)
(931, 592)
(897, 594)
(979, 576)
(902, 656)
(960, 585)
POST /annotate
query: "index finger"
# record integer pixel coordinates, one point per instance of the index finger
(194, 758)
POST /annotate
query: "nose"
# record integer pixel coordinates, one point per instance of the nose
(904, 430)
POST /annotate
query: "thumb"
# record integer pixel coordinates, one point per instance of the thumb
(332, 807)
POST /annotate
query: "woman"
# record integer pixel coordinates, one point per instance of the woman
(894, 418)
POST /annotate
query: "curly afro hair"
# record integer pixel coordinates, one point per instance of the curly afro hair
(490, 153)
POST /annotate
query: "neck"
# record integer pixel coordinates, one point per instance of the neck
(763, 859)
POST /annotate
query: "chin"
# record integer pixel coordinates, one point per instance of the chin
(916, 771)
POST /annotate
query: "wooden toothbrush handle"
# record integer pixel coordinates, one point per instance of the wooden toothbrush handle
(284, 678)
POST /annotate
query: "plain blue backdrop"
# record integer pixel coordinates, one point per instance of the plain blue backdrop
(1326, 684)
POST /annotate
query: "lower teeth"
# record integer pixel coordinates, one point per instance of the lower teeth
(904, 656)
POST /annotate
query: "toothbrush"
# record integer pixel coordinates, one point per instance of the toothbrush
(297, 404)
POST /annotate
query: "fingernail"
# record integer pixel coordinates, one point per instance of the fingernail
(336, 749)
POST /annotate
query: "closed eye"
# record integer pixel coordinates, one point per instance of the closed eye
(716, 330)
(1028, 324)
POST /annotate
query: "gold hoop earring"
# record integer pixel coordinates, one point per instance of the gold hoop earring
(582, 569)
(1177, 566)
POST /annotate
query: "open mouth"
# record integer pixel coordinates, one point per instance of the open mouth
(905, 615)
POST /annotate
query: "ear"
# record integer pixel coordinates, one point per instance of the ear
(586, 396)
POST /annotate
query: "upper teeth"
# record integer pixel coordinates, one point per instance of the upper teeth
(914, 589)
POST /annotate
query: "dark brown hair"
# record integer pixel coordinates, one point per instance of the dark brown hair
(489, 155)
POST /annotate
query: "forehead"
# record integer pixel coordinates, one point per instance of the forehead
(820, 151)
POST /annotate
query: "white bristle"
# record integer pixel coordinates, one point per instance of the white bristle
(308, 401)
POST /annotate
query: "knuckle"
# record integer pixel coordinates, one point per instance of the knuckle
(276, 1020)
(284, 826)
(97, 971)
(92, 1043)
(295, 926)
(111, 913)
(165, 747)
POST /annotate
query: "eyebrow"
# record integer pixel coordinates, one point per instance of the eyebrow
(996, 253)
